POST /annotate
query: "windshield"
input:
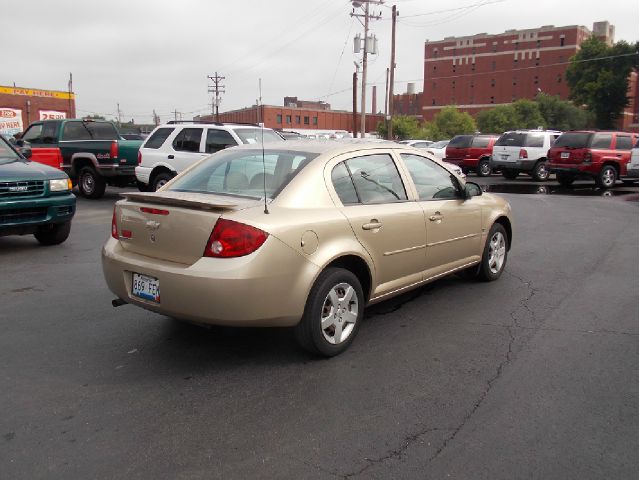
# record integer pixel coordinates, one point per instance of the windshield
(461, 141)
(254, 135)
(573, 140)
(7, 154)
(511, 139)
(247, 173)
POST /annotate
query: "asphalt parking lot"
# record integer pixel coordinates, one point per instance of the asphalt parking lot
(532, 376)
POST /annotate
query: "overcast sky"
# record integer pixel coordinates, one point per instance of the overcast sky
(150, 54)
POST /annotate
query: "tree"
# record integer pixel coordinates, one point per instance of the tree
(560, 114)
(498, 119)
(528, 114)
(403, 127)
(598, 78)
(448, 123)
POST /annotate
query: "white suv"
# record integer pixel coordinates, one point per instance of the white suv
(633, 165)
(523, 151)
(175, 146)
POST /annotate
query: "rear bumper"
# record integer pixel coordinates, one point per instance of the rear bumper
(19, 217)
(524, 165)
(579, 169)
(245, 291)
(143, 174)
(633, 171)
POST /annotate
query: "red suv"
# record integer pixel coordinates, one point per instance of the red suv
(471, 152)
(601, 155)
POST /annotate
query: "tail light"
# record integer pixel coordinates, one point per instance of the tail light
(233, 239)
(523, 153)
(587, 157)
(114, 149)
(139, 157)
(114, 226)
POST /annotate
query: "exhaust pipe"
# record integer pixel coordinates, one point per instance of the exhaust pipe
(117, 302)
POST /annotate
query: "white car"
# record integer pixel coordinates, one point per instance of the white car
(523, 151)
(633, 164)
(416, 143)
(438, 149)
(175, 146)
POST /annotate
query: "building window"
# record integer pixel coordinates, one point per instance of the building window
(298, 119)
(306, 120)
(472, 84)
(314, 120)
(492, 82)
(434, 68)
(288, 119)
(562, 41)
(434, 85)
(435, 53)
(454, 68)
(473, 66)
(433, 101)
(453, 84)
(538, 43)
(536, 80)
(561, 59)
(514, 81)
(559, 78)
(494, 65)
(516, 45)
(492, 99)
(279, 118)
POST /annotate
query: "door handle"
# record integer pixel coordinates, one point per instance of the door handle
(373, 225)
(437, 217)
(171, 157)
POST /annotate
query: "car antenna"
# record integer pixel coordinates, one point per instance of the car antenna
(259, 110)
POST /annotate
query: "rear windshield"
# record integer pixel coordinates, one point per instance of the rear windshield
(573, 140)
(246, 173)
(254, 135)
(461, 141)
(89, 131)
(158, 138)
(511, 139)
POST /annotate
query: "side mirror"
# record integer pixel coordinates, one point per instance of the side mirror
(19, 142)
(25, 151)
(471, 189)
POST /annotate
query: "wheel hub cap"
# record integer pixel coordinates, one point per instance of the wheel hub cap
(496, 252)
(339, 313)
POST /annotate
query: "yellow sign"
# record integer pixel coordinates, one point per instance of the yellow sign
(30, 92)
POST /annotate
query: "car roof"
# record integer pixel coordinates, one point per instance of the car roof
(327, 146)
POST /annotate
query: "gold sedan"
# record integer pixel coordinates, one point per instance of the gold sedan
(303, 235)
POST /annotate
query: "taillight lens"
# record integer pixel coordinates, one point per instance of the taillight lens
(233, 239)
(139, 157)
(114, 149)
(114, 226)
(587, 157)
(523, 153)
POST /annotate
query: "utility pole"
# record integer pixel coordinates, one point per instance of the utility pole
(176, 113)
(355, 100)
(392, 76)
(119, 115)
(216, 88)
(386, 98)
(365, 4)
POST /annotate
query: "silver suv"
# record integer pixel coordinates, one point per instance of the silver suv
(175, 146)
(523, 151)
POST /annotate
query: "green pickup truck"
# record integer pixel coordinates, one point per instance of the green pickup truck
(91, 152)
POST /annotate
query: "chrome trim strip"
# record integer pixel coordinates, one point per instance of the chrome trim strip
(453, 239)
(404, 250)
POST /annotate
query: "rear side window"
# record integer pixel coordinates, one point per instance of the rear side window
(534, 140)
(573, 140)
(601, 140)
(623, 143)
(511, 139)
(157, 139)
(255, 135)
(461, 141)
(481, 142)
(343, 184)
(376, 179)
(188, 140)
(217, 140)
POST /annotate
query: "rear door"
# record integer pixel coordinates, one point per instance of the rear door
(188, 148)
(623, 148)
(389, 226)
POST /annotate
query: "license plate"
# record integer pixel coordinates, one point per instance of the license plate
(505, 157)
(146, 287)
(565, 154)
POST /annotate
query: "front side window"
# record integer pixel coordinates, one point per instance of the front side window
(376, 179)
(246, 173)
(217, 140)
(432, 181)
(50, 133)
(33, 134)
(188, 140)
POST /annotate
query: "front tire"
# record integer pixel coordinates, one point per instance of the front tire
(53, 234)
(483, 168)
(607, 177)
(493, 260)
(90, 183)
(333, 313)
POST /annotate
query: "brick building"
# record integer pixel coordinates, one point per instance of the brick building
(409, 103)
(21, 106)
(295, 118)
(480, 71)
(294, 102)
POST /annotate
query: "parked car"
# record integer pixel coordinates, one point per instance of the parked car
(523, 151)
(34, 199)
(602, 156)
(91, 152)
(417, 143)
(175, 146)
(301, 234)
(438, 149)
(471, 153)
(632, 173)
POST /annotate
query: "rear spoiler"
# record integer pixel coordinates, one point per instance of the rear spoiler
(179, 199)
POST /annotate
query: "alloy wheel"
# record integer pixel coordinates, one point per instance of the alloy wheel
(339, 313)
(496, 252)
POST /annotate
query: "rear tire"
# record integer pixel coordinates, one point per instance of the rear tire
(160, 180)
(607, 177)
(90, 183)
(143, 187)
(509, 174)
(540, 173)
(483, 168)
(565, 180)
(53, 234)
(333, 313)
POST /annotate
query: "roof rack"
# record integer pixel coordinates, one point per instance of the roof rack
(207, 122)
